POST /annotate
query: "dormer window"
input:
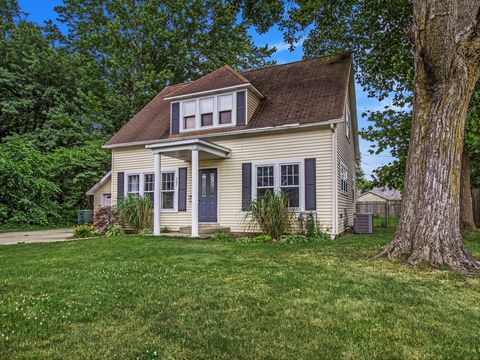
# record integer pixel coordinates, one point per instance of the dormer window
(210, 111)
(206, 111)
(188, 110)
(225, 106)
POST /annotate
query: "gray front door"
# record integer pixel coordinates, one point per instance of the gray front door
(207, 207)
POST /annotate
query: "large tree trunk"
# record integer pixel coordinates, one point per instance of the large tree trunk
(446, 46)
(466, 209)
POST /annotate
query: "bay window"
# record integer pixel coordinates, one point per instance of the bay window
(280, 176)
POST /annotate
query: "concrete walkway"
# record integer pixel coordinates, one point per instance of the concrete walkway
(35, 236)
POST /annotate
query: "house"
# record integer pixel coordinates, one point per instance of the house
(380, 194)
(203, 149)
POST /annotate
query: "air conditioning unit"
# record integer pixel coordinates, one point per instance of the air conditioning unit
(363, 223)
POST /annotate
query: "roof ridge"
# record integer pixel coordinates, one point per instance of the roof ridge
(236, 73)
(340, 54)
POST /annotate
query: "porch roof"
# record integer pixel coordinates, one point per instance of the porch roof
(182, 149)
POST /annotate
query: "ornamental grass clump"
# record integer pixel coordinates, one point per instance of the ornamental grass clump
(271, 214)
(135, 211)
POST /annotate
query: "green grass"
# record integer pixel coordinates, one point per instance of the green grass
(141, 297)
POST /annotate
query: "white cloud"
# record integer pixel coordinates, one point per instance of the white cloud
(283, 46)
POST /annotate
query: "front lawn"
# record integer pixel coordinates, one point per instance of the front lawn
(147, 298)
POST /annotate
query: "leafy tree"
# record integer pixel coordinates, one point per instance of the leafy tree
(361, 183)
(75, 169)
(446, 61)
(28, 194)
(47, 93)
(141, 46)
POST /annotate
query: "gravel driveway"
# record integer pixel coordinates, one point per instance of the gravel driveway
(35, 236)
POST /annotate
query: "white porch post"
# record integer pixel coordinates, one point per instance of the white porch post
(195, 193)
(156, 194)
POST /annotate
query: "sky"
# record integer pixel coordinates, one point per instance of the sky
(41, 10)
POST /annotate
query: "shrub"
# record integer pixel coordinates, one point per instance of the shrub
(165, 229)
(103, 219)
(271, 214)
(261, 239)
(28, 195)
(221, 236)
(296, 239)
(114, 230)
(313, 229)
(135, 211)
(83, 231)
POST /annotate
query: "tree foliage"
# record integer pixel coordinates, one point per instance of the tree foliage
(28, 193)
(379, 34)
(141, 46)
(64, 94)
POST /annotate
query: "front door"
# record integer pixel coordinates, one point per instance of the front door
(207, 207)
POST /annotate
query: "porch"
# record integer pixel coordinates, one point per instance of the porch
(204, 206)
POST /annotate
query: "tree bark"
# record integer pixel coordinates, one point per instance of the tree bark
(466, 208)
(446, 47)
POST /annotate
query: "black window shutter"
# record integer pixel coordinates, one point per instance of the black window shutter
(175, 118)
(241, 109)
(182, 189)
(120, 184)
(246, 185)
(310, 185)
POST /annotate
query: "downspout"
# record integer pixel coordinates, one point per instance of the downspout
(334, 181)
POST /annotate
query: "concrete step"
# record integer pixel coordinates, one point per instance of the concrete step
(205, 229)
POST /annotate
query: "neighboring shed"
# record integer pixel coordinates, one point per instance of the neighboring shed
(384, 194)
(101, 192)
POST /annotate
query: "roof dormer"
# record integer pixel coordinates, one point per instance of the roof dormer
(218, 99)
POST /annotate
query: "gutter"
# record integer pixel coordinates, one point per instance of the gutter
(227, 133)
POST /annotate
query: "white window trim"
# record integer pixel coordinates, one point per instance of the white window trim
(277, 176)
(142, 174)
(139, 183)
(216, 123)
(102, 198)
(343, 168)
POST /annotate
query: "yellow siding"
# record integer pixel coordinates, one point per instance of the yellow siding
(97, 196)
(345, 155)
(252, 103)
(304, 144)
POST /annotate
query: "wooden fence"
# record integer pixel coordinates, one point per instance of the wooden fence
(476, 206)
